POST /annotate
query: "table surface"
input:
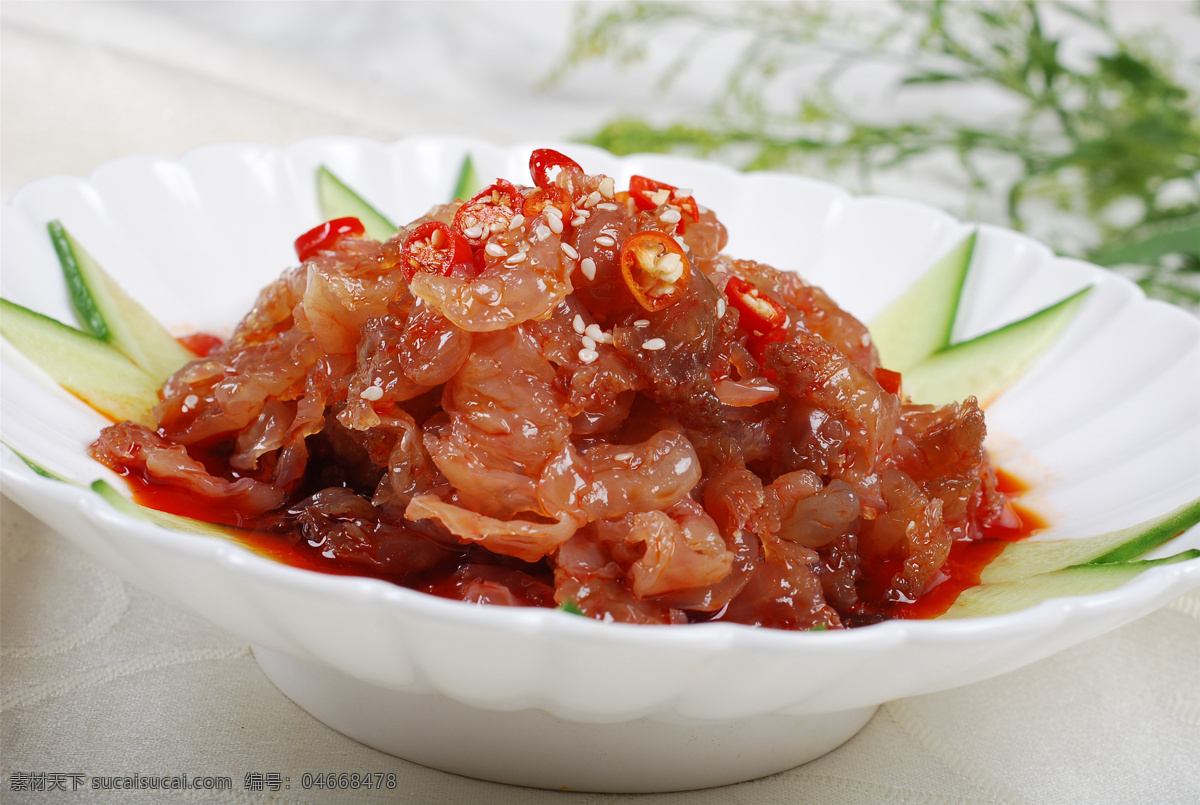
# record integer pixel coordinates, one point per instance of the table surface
(100, 678)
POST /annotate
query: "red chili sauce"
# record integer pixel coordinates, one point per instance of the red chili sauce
(960, 572)
(968, 559)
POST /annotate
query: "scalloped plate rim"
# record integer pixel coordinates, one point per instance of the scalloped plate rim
(1143, 593)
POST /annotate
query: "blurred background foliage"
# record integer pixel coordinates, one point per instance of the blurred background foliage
(1084, 135)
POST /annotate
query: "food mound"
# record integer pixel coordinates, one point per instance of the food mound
(566, 395)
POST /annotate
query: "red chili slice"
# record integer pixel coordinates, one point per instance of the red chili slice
(200, 344)
(645, 192)
(757, 344)
(655, 268)
(325, 237)
(648, 194)
(550, 168)
(888, 380)
(759, 314)
(542, 198)
(489, 211)
(433, 248)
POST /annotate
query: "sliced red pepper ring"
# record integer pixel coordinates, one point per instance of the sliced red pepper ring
(655, 269)
(542, 198)
(491, 210)
(550, 168)
(200, 344)
(888, 380)
(649, 194)
(433, 248)
(325, 237)
(759, 314)
(757, 344)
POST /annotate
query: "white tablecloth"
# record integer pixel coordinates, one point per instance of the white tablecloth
(98, 678)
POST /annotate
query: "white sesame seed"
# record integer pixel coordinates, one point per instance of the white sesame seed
(568, 251)
(584, 214)
(495, 250)
(191, 400)
(517, 222)
(588, 266)
(607, 187)
(513, 259)
(588, 355)
(670, 216)
(577, 324)
(474, 232)
(701, 209)
(682, 192)
(865, 340)
(607, 206)
(720, 308)
(578, 220)
(551, 211)
(593, 199)
(622, 456)
(589, 343)
(371, 393)
(555, 223)
(594, 332)
(605, 240)
(642, 323)
(542, 232)
(654, 344)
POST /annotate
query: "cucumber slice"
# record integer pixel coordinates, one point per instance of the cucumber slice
(919, 323)
(1010, 596)
(173, 521)
(468, 184)
(339, 201)
(38, 468)
(986, 365)
(91, 369)
(108, 313)
(1024, 559)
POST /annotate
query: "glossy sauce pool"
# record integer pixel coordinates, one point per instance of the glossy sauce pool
(961, 570)
(968, 559)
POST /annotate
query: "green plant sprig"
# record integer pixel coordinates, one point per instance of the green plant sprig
(1117, 128)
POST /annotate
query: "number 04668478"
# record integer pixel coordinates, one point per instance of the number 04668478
(333, 780)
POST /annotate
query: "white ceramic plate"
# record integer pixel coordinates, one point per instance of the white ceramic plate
(1106, 424)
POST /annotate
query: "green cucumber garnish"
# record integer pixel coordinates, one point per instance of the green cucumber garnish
(468, 184)
(337, 200)
(88, 367)
(111, 315)
(569, 607)
(987, 364)
(920, 321)
(165, 519)
(38, 468)
(1022, 560)
(1022, 593)
(913, 336)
